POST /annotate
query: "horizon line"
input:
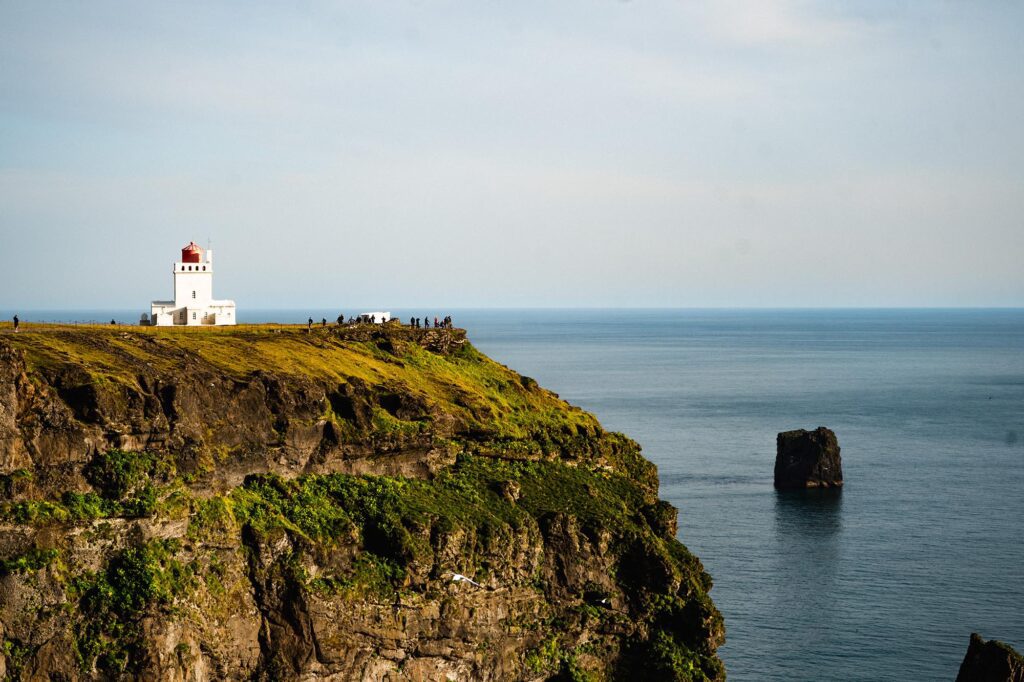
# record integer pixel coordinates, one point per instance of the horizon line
(570, 307)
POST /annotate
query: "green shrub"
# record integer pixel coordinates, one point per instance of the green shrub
(32, 560)
(112, 602)
(115, 473)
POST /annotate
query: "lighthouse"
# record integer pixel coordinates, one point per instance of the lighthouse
(193, 303)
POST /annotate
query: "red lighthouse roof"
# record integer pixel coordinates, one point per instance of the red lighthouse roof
(192, 253)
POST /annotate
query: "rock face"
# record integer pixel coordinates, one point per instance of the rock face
(808, 459)
(269, 503)
(990, 661)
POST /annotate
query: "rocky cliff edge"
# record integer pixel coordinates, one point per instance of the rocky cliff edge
(354, 503)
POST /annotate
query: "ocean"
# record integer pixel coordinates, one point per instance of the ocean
(884, 580)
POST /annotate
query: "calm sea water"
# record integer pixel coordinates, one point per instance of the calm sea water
(885, 580)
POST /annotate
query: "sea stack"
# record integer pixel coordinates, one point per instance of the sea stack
(808, 459)
(990, 661)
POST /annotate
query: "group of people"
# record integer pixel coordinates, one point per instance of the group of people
(323, 321)
(372, 319)
(424, 322)
(414, 322)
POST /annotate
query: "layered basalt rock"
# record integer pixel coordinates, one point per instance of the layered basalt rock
(808, 459)
(271, 503)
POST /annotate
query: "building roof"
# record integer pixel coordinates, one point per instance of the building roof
(193, 253)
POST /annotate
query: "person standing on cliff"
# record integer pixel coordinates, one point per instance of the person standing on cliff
(17, 323)
(309, 325)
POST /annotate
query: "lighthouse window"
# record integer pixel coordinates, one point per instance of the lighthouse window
(193, 294)
(193, 316)
(204, 268)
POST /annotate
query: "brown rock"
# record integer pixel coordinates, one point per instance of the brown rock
(808, 459)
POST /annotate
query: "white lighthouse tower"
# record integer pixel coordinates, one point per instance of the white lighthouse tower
(193, 302)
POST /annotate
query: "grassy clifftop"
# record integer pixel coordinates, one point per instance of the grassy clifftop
(436, 365)
(414, 380)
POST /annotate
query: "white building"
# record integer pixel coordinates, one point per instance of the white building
(377, 317)
(193, 302)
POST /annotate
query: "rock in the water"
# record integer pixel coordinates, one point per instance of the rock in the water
(990, 661)
(808, 459)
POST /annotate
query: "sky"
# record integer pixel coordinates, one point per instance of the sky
(770, 153)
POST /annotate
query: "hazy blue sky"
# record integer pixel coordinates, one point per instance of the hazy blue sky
(763, 153)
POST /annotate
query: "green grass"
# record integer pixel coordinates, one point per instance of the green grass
(127, 485)
(32, 560)
(321, 507)
(117, 473)
(112, 602)
(15, 656)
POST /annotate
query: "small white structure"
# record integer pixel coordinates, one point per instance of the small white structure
(375, 317)
(193, 303)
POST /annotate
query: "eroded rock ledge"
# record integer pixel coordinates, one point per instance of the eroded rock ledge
(267, 503)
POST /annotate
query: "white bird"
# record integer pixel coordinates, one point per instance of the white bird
(457, 577)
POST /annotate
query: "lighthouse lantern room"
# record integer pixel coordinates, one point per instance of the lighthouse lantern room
(193, 302)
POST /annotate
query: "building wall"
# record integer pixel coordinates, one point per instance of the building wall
(164, 314)
(192, 288)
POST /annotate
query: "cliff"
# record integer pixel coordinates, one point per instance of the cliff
(266, 503)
